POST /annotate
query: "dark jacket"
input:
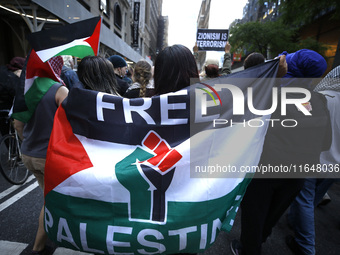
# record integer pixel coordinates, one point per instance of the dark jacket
(122, 85)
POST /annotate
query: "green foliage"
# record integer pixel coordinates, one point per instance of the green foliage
(256, 36)
(275, 36)
(312, 44)
(299, 12)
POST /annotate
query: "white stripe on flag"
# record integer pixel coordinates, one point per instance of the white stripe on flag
(29, 82)
(45, 55)
(237, 146)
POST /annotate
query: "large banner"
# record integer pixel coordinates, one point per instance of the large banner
(118, 178)
(211, 39)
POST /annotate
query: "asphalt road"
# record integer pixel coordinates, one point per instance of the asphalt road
(327, 224)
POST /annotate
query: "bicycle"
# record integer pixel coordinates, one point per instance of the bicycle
(11, 165)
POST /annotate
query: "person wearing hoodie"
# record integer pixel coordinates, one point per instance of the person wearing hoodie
(301, 214)
(269, 196)
(304, 66)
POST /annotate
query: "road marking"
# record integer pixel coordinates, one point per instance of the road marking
(15, 187)
(64, 251)
(16, 197)
(11, 248)
(14, 248)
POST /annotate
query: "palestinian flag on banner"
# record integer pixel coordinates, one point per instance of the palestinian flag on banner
(79, 39)
(121, 174)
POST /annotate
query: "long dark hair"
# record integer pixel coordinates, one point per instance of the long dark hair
(96, 73)
(174, 66)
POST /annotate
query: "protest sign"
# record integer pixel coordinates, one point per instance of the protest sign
(211, 39)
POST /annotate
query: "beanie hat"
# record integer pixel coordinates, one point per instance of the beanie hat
(305, 64)
(16, 63)
(117, 61)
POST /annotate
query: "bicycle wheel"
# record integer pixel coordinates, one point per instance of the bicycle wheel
(11, 165)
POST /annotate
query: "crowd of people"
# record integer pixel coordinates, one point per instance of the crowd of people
(175, 68)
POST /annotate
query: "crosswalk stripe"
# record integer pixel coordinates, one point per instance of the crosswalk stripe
(16, 197)
(15, 187)
(64, 251)
(11, 248)
(15, 248)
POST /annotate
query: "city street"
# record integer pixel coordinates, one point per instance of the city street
(142, 110)
(20, 207)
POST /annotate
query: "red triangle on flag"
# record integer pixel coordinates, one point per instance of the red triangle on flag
(61, 164)
(93, 40)
(36, 67)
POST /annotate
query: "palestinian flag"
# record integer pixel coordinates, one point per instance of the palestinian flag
(121, 174)
(79, 39)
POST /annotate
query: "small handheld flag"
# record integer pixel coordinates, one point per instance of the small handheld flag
(79, 39)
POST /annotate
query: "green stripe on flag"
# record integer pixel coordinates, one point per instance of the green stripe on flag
(33, 96)
(76, 223)
(79, 51)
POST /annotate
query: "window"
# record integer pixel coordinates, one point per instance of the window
(117, 16)
(104, 6)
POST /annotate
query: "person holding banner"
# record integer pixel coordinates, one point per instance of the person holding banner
(178, 61)
(301, 214)
(270, 194)
(254, 59)
(95, 73)
(175, 66)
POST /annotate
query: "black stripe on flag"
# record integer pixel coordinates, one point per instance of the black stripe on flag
(62, 35)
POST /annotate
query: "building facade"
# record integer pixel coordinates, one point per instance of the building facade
(324, 28)
(162, 35)
(203, 22)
